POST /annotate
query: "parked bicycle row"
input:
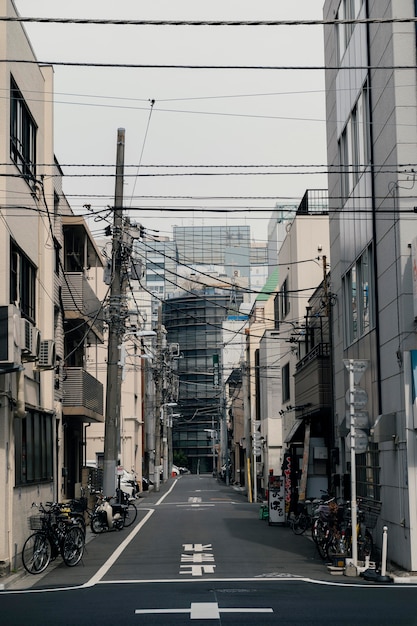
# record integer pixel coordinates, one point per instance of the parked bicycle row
(60, 528)
(331, 527)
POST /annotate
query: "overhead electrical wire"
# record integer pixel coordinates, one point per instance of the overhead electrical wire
(130, 22)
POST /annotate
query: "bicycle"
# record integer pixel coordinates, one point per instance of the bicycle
(56, 534)
(340, 539)
(326, 531)
(302, 520)
(366, 519)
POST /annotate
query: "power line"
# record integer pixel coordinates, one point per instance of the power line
(173, 66)
(126, 22)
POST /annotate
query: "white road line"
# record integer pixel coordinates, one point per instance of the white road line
(113, 557)
(201, 610)
(167, 493)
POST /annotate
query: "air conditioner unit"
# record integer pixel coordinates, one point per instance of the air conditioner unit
(47, 355)
(30, 341)
(10, 357)
(26, 337)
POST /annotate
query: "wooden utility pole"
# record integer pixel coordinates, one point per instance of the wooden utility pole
(116, 322)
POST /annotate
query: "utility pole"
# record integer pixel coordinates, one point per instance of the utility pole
(158, 373)
(116, 330)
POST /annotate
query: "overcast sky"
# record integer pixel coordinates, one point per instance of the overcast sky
(224, 117)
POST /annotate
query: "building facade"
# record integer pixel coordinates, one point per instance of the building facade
(372, 137)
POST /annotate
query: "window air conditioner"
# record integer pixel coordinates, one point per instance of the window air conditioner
(30, 341)
(9, 337)
(47, 355)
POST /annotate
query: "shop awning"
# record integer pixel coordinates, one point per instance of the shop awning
(295, 431)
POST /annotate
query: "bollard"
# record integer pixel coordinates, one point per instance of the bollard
(383, 578)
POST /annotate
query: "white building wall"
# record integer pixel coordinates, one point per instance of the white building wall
(25, 220)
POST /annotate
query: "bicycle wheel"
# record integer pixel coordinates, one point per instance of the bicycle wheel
(300, 524)
(131, 514)
(36, 553)
(72, 548)
(365, 545)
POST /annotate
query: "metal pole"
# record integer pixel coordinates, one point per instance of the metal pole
(116, 329)
(353, 464)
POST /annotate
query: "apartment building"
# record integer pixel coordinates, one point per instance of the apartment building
(372, 145)
(48, 308)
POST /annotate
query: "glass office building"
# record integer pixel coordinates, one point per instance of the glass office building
(194, 321)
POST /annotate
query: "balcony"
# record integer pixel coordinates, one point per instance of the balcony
(83, 395)
(313, 379)
(80, 302)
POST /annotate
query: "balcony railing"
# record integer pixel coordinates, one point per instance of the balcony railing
(83, 395)
(320, 350)
(313, 378)
(79, 300)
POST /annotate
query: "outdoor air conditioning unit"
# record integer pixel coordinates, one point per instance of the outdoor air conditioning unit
(47, 355)
(10, 357)
(30, 341)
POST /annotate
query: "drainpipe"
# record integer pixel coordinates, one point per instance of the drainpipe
(20, 402)
(375, 261)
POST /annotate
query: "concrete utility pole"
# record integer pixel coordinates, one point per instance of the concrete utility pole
(158, 373)
(116, 330)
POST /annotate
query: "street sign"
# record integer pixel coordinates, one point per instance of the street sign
(361, 442)
(360, 419)
(360, 397)
(357, 366)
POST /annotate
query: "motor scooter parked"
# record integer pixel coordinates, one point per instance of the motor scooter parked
(107, 515)
(129, 484)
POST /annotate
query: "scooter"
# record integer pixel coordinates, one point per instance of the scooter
(107, 515)
(128, 484)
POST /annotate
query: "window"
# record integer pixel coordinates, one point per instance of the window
(358, 298)
(348, 10)
(354, 150)
(284, 300)
(22, 134)
(368, 473)
(33, 448)
(22, 281)
(286, 382)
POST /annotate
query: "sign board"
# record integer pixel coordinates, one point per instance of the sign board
(360, 419)
(360, 397)
(276, 499)
(119, 470)
(361, 442)
(357, 366)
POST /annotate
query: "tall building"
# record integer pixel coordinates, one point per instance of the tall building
(372, 146)
(207, 245)
(194, 320)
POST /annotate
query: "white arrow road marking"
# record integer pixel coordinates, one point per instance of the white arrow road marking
(201, 610)
(195, 499)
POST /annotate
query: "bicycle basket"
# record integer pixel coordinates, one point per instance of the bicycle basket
(371, 510)
(37, 522)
